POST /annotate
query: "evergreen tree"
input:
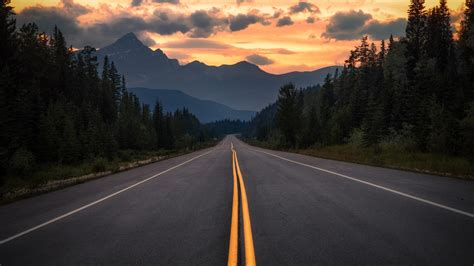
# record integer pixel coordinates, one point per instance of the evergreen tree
(289, 113)
(466, 47)
(159, 125)
(7, 33)
(415, 35)
(8, 77)
(311, 129)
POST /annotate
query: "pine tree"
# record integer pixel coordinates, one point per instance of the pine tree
(69, 147)
(415, 34)
(8, 78)
(7, 33)
(466, 47)
(62, 63)
(311, 128)
(159, 125)
(289, 113)
(116, 85)
(326, 101)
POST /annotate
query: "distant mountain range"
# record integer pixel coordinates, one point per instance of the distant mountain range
(204, 110)
(242, 86)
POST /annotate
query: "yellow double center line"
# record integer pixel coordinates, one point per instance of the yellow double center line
(234, 227)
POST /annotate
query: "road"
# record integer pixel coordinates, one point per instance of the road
(301, 211)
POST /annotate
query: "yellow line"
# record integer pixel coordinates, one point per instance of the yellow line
(249, 248)
(234, 236)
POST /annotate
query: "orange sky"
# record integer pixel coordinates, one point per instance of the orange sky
(295, 47)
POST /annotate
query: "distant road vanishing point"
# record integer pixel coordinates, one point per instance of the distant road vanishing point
(237, 204)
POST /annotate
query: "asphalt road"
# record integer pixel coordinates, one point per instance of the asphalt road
(303, 211)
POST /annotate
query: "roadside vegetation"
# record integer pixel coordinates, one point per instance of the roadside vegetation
(386, 155)
(48, 177)
(407, 104)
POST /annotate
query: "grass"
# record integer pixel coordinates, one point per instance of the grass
(46, 178)
(430, 163)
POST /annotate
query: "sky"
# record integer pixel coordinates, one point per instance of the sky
(279, 35)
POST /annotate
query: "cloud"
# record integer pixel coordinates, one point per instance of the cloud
(140, 2)
(73, 9)
(242, 21)
(352, 25)
(346, 25)
(174, 2)
(146, 39)
(382, 30)
(163, 21)
(197, 44)
(277, 13)
(303, 6)
(284, 21)
(205, 23)
(47, 17)
(310, 20)
(259, 60)
(137, 2)
(244, 1)
(277, 51)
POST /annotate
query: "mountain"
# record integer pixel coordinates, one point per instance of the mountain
(205, 110)
(242, 86)
(136, 61)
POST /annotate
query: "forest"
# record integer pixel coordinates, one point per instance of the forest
(57, 109)
(413, 94)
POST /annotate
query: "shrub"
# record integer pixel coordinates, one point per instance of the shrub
(100, 165)
(402, 140)
(356, 138)
(125, 155)
(22, 162)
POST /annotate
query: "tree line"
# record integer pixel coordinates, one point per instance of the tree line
(55, 106)
(416, 93)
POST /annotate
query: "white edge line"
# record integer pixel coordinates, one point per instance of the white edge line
(471, 215)
(98, 201)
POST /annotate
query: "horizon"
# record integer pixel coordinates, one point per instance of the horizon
(279, 37)
(219, 65)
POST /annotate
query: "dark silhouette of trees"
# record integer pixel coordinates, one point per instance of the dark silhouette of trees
(289, 113)
(56, 108)
(415, 92)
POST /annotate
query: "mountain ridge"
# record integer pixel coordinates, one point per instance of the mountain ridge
(241, 86)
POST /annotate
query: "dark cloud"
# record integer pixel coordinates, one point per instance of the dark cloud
(137, 2)
(382, 30)
(310, 20)
(164, 21)
(242, 21)
(206, 23)
(284, 21)
(174, 2)
(140, 2)
(48, 17)
(303, 6)
(352, 25)
(197, 44)
(74, 9)
(346, 25)
(259, 60)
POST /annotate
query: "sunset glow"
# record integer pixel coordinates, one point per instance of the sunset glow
(286, 35)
